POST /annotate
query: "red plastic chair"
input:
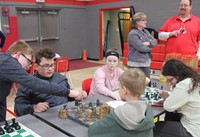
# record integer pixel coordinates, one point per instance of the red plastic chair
(33, 68)
(86, 85)
(62, 65)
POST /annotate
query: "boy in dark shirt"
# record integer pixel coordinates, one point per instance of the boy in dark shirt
(27, 100)
(12, 69)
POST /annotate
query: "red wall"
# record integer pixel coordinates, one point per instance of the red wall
(13, 36)
(70, 2)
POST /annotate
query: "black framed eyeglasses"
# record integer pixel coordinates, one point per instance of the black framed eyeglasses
(47, 66)
(169, 81)
(28, 60)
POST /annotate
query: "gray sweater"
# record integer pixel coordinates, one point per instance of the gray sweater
(138, 52)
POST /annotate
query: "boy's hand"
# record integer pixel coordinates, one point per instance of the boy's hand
(82, 95)
(40, 107)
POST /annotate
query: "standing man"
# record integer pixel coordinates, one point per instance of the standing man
(182, 32)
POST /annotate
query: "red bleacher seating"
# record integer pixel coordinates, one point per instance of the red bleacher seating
(158, 53)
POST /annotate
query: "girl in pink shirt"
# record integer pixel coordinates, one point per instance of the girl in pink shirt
(105, 79)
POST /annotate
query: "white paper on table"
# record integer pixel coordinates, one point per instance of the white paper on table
(115, 103)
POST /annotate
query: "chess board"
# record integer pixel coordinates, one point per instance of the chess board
(82, 117)
(151, 94)
(22, 132)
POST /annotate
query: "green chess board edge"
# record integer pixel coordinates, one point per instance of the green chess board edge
(23, 132)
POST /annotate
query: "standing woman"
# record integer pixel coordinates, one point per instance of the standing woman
(184, 99)
(140, 44)
(105, 79)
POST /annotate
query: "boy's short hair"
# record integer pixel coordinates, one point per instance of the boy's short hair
(45, 52)
(134, 80)
(21, 46)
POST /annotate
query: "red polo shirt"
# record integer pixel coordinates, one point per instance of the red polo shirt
(187, 41)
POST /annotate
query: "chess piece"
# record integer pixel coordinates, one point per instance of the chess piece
(83, 107)
(90, 112)
(6, 125)
(8, 128)
(161, 87)
(64, 114)
(65, 107)
(76, 103)
(78, 109)
(105, 109)
(98, 112)
(59, 113)
(98, 102)
(15, 124)
(1, 131)
(90, 104)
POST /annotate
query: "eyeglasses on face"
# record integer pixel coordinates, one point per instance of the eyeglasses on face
(170, 80)
(28, 60)
(47, 66)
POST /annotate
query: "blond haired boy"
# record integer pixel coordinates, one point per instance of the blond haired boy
(134, 118)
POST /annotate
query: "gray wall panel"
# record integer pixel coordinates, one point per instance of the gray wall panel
(73, 32)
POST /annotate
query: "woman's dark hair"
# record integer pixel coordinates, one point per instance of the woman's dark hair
(179, 70)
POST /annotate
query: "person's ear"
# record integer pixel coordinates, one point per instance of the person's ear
(124, 90)
(17, 55)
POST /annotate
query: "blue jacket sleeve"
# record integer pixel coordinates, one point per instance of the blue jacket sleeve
(13, 72)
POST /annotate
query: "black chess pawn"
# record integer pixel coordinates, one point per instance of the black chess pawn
(17, 126)
(161, 87)
(6, 125)
(8, 128)
(65, 107)
(146, 94)
(90, 104)
(155, 96)
(76, 102)
(98, 102)
(1, 131)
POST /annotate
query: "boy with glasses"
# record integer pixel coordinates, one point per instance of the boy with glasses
(27, 100)
(12, 69)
